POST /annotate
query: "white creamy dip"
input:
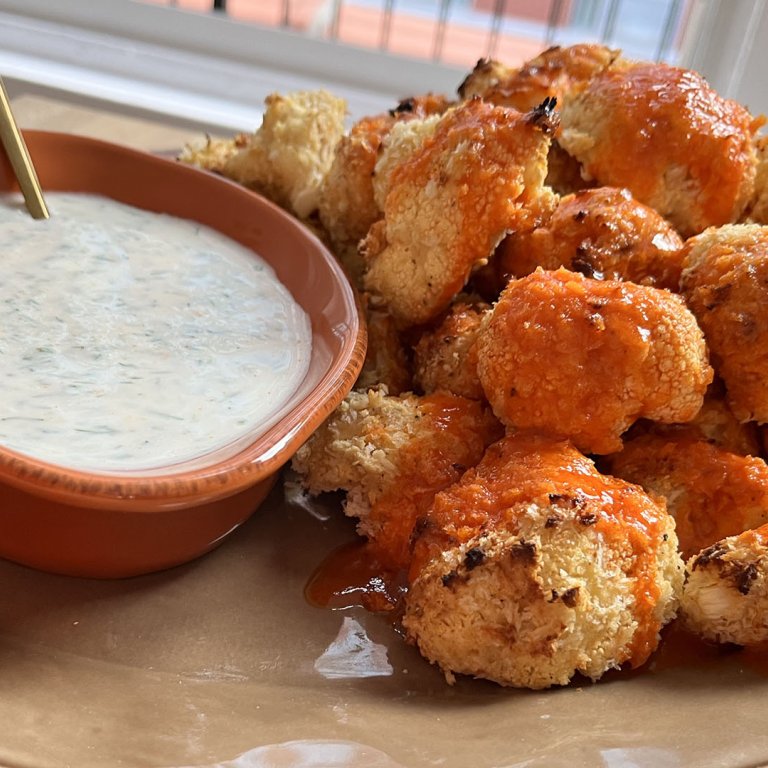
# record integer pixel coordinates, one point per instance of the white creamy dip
(130, 339)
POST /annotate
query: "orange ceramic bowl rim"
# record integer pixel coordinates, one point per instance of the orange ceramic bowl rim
(144, 181)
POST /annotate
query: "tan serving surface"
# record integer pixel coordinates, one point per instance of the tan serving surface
(223, 662)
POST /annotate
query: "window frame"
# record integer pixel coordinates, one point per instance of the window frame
(162, 60)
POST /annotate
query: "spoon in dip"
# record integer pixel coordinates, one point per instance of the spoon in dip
(18, 154)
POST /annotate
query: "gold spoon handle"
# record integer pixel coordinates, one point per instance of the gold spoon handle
(18, 154)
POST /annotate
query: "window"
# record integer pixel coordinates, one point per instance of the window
(213, 68)
(458, 32)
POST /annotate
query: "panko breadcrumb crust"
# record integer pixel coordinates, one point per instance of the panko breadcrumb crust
(554, 73)
(289, 155)
(347, 207)
(476, 177)
(602, 232)
(663, 133)
(711, 492)
(446, 358)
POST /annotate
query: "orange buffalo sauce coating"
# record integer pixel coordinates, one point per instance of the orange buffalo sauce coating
(453, 438)
(532, 469)
(756, 538)
(603, 233)
(583, 359)
(368, 133)
(661, 117)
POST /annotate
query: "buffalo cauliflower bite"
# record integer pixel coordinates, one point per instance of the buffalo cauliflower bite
(445, 357)
(716, 423)
(391, 455)
(289, 155)
(583, 358)
(478, 176)
(534, 567)
(711, 492)
(725, 597)
(553, 73)
(725, 281)
(663, 133)
(602, 233)
(347, 207)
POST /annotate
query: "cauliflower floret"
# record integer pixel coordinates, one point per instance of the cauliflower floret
(725, 281)
(386, 362)
(290, 154)
(553, 73)
(725, 598)
(584, 358)
(710, 492)
(479, 175)
(347, 208)
(445, 357)
(534, 567)
(603, 233)
(214, 153)
(391, 455)
(663, 133)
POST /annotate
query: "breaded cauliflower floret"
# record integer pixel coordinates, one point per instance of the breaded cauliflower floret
(391, 455)
(725, 598)
(663, 133)
(710, 492)
(290, 154)
(477, 177)
(553, 73)
(386, 363)
(725, 281)
(583, 358)
(347, 207)
(214, 153)
(445, 357)
(534, 567)
(602, 233)
(716, 423)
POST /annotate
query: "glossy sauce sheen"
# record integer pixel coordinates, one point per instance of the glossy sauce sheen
(352, 576)
(133, 340)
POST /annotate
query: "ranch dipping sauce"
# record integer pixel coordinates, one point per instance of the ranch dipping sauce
(134, 340)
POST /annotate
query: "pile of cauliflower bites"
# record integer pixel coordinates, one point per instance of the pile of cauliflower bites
(558, 428)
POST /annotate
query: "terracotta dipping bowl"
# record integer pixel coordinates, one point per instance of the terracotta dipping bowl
(122, 524)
